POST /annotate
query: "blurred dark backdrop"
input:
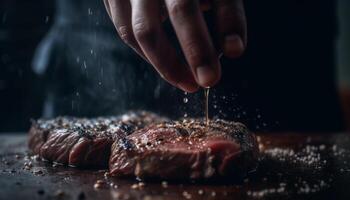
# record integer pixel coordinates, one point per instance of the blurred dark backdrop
(23, 23)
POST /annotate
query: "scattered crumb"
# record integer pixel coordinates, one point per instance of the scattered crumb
(113, 185)
(27, 165)
(100, 181)
(55, 164)
(134, 186)
(186, 195)
(35, 158)
(59, 193)
(99, 184)
(119, 195)
(38, 172)
(106, 174)
(141, 184)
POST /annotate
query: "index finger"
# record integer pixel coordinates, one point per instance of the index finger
(193, 35)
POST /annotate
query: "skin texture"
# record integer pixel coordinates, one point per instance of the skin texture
(139, 25)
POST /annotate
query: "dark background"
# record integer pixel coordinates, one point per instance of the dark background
(291, 51)
(23, 23)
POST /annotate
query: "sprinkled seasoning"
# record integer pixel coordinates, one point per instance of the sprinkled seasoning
(299, 171)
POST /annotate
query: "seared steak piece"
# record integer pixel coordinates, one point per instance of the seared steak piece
(186, 149)
(84, 142)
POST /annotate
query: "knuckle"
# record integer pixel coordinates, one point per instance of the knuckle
(126, 35)
(144, 32)
(182, 7)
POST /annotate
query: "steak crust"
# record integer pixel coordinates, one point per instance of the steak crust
(84, 142)
(186, 149)
(144, 145)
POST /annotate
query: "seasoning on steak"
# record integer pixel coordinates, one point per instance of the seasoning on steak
(186, 149)
(84, 142)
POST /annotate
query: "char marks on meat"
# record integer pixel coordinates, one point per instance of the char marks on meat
(84, 142)
(186, 149)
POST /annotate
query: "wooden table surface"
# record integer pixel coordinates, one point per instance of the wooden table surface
(292, 166)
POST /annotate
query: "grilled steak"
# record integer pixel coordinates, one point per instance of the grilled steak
(186, 149)
(84, 142)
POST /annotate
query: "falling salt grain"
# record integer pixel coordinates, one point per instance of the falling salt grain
(185, 100)
(200, 192)
(164, 184)
(89, 11)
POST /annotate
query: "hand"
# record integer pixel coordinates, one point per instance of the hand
(139, 24)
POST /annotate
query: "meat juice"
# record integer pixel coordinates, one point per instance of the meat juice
(206, 96)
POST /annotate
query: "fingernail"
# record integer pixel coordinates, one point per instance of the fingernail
(233, 46)
(206, 76)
